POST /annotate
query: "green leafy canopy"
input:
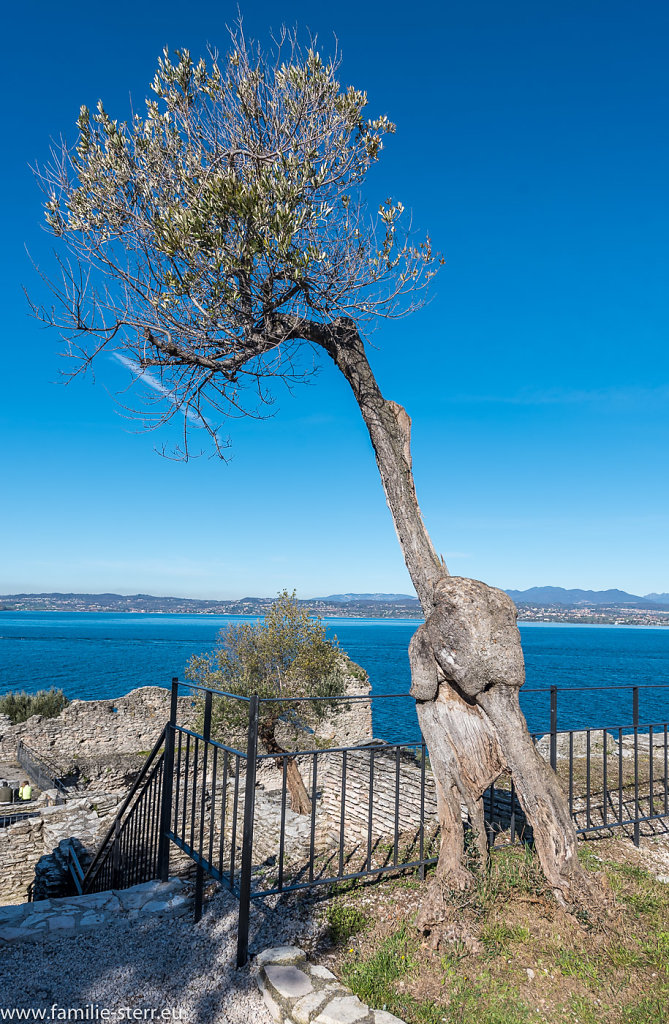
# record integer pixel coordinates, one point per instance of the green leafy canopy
(287, 655)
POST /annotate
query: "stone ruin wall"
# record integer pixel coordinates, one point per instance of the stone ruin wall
(393, 788)
(23, 843)
(356, 808)
(98, 744)
(101, 745)
(100, 730)
(97, 728)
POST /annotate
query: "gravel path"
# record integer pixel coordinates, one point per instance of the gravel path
(160, 964)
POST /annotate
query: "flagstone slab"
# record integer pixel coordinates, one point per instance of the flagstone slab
(297, 992)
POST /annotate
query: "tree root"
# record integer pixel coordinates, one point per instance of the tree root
(440, 918)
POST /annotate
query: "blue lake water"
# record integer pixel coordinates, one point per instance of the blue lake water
(91, 655)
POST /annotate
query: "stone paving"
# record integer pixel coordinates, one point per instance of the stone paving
(69, 915)
(297, 992)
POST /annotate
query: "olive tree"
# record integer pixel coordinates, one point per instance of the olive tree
(220, 240)
(285, 658)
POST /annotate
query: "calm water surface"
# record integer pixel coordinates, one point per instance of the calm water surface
(91, 655)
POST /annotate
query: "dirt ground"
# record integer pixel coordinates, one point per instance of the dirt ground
(515, 956)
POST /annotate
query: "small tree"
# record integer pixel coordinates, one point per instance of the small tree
(287, 655)
(214, 243)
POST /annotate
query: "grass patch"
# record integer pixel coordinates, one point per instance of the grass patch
(574, 964)
(534, 962)
(481, 1000)
(374, 979)
(344, 922)
(649, 1010)
(499, 938)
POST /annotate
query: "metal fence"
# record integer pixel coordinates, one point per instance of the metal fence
(372, 807)
(128, 853)
(616, 775)
(44, 773)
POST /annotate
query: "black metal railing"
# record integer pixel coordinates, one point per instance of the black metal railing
(129, 852)
(372, 807)
(617, 775)
(378, 799)
(12, 818)
(43, 772)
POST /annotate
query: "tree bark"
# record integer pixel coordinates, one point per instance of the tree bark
(299, 798)
(466, 661)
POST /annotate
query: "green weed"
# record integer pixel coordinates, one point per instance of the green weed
(344, 922)
(652, 1009)
(497, 936)
(576, 965)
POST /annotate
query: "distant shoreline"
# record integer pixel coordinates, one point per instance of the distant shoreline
(390, 619)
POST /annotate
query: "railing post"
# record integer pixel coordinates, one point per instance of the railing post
(247, 841)
(199, 873)
(168, 778)
(553, 747)
(421, 832)
(116, 856)
(635, 722)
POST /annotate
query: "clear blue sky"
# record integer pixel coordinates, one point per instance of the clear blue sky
(532, 144)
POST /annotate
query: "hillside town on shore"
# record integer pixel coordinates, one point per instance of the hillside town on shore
(377, 606)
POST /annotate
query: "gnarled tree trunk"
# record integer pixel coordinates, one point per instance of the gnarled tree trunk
(297, 791)
(466, 661)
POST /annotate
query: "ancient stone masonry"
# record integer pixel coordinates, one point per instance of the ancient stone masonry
(99, 746)
(94, 728)
(27, 840)
(103, 772)
(396, 782)
(353, 725)
(396, 795)
(97, 740)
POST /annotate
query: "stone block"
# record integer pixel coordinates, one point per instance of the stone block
(280, 955)
(61, 922)
(287, 981)
(383, 1017)
(91, 920)
(308, 1006)
(272, 1006)
(156, 906)
(343, 1010)
(34, 922)
(322, 972)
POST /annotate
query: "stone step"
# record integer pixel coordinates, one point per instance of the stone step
(73, 914)
(297, 991)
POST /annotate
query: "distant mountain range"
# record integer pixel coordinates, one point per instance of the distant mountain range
(373, 605)
(551, 596)
(354, 598)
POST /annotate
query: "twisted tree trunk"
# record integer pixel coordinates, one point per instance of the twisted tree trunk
(466, 663)
(297, 791)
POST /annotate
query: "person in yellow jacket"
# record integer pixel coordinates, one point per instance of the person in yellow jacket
(26, 791)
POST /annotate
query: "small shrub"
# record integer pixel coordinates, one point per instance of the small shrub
(19, 707)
